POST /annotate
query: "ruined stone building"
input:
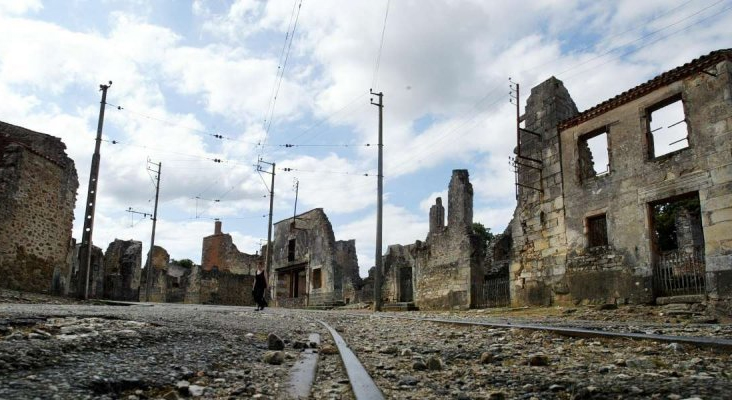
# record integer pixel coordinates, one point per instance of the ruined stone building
(446, 270)
(309, 267)
(630, 200)
(38, 185)
(220, 253)
(122, 263)
(226, 275)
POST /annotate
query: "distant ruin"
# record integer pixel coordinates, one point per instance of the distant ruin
(446, 270)
(311, 268)
(38, 185)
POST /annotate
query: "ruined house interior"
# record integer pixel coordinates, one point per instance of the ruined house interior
(625, 202)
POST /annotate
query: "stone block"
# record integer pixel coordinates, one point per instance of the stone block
(722, 174)
(723, 215)
(717, 203)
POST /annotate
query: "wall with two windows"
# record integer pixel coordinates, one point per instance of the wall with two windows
(673, 141)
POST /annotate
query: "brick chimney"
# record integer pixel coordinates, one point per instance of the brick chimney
(217, 227)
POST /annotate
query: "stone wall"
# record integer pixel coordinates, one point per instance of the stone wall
(537, 229)
(224, 288)
(309, 268)
(158, 276)
(96, 273)
(122, 268)
(637, 179)
(347, 260)
(446, 270)
(38, 185)
(220, 252)
(553, 258)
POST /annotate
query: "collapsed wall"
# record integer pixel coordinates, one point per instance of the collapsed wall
(220, 253)
(122, 263)
(38, 185)
(445, 271)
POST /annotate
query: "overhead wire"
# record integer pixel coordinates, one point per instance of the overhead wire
(281, 73)
(381, 46)
(591, 45)
(641, 38)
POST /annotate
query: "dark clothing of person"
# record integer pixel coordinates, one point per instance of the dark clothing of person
(260, 284)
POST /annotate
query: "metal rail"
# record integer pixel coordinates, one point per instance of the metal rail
(364, 388)
(699, 341)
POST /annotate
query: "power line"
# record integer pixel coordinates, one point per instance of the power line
(591, 45)
(268, 121)
(222, 136)
(381, 46)
(643, 37)
(288, 169)
(216, 160)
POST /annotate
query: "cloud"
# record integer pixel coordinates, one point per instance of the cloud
(19, 7)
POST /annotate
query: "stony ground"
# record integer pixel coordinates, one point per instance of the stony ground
(66, 349)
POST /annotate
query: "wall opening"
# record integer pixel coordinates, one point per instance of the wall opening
(317, 279)
(677, 246)
(667, 128)
(594, 154)
(291, 250)
(597, 231)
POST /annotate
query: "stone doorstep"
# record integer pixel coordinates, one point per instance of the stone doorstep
(688, 299)
(403, 306)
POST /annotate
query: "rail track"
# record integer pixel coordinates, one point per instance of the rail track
(364, 386)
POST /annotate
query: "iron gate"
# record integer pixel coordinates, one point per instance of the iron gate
(679, 272)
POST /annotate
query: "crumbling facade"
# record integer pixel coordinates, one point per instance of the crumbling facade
(38, 185)
(220, 253)
(446, 270)
(122, 270)
(309, 267)
(631, 199)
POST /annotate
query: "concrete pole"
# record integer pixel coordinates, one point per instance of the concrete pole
(149, 275)
(85, 251)
(379, 206)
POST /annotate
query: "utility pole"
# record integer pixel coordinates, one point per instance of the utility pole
(148, 279)
(380, 189)
(85, 250)
(297, 191)
(268, 254)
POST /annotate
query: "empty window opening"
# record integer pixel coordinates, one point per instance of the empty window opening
(594, 155)
(317, 278)
(291, 250)
(667, 127)
(597, 231)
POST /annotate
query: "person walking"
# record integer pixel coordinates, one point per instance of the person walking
(259, 289)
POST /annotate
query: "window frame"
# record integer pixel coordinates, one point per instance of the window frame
(584, 138)
(651, 144)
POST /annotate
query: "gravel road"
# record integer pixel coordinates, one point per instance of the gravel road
(176, 351)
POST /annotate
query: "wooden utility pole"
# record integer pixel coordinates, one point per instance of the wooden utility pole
(149, 267)
(85, 250)
(380, 189)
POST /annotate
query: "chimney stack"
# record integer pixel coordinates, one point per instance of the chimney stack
(217, 227)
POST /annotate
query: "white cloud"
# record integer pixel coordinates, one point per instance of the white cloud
(19, 7)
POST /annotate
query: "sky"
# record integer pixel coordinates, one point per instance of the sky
(288, 82)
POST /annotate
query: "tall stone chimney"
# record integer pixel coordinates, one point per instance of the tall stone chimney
(437, 217)
(460, 201)
(217, 227)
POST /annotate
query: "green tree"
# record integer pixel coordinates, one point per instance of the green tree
(484, 233)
